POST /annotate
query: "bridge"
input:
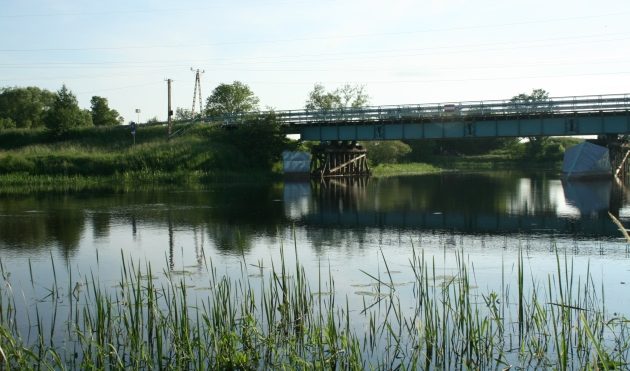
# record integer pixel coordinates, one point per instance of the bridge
(602, 115)
(564, 116)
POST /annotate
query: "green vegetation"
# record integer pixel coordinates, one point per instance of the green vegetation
(200, 151)
(102, 115)
(34, 108)
(47, 134)
(348, 96)
(231, 98)
(275, 317)
(65, 114)
(24, 108)
(392, 159)
(415, 168)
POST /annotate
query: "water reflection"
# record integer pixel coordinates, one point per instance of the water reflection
(231, 219)
(593, 197)
(487, 203)
(228, 216)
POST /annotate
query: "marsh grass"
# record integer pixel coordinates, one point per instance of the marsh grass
(415, 168)
(292, 319)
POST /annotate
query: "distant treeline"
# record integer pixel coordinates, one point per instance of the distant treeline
(32, 108)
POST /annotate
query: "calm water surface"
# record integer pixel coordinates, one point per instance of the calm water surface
(342, 227)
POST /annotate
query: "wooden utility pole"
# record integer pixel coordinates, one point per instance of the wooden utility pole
(170, 110)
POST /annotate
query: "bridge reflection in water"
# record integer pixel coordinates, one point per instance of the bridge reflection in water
(494, 204)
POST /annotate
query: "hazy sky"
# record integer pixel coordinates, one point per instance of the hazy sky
(402, 51)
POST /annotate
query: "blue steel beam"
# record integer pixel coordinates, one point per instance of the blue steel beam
(483, 127)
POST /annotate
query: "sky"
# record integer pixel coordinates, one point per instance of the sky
(402, 51)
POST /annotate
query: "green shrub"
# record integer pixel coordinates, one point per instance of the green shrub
(386, 152)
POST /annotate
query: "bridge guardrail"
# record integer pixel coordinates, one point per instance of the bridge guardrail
(561, 105)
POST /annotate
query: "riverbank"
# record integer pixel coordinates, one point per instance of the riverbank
(111, 156)
(89, 156)
(466, 164)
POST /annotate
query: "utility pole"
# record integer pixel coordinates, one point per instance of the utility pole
(170, 111)
(197, 88)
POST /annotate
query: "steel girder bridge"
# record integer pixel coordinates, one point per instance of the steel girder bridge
(602, 115)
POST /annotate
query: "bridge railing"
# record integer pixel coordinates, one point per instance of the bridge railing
(551, 106)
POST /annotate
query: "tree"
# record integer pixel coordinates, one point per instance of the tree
(24, 107)
(537, 100)
(102, 115)
(183, 114)
(347, 96)
(65, 113)
(387, 151)
(231, 98)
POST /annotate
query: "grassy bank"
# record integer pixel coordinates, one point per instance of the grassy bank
(281, 320)
(494, 162)
(384, 170)
(90, 156)
(202, 153)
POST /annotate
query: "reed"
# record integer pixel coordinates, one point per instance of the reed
(286, 320)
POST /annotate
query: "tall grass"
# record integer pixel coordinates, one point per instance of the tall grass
(286, 320)
(107, 152)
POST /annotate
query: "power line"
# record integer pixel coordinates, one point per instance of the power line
(318, 57)
(326, 37)
(257, 3)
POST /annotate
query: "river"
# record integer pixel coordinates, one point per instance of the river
(351, 229)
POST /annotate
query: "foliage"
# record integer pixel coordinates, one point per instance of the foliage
(102, 115)
(108, 150)
(348, 96)
(387, 151)
(260, 142)
(385, 170)
(65, 113)
(183, 114)
(423, 150)
(24, 107)
(538, 98)
(231, 98)
(547, 148)
(6, 123)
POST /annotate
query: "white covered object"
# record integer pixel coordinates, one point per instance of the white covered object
(296, 162)
(586, 159)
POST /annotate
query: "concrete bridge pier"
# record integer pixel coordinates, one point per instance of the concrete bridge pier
(339, 158)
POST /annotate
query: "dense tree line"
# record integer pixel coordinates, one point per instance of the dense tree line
(32, 107)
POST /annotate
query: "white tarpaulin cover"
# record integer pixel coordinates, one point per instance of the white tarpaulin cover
(586, 159)
(296, 162)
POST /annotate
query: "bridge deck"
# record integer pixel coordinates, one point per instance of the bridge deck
(585, 115)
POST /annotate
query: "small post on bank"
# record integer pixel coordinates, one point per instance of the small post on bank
(132, 126)
(170, 110)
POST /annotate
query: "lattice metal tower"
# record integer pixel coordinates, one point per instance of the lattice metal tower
(197, 88)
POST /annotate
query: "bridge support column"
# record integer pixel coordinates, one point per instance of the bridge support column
(619, 152)
(339, 159)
